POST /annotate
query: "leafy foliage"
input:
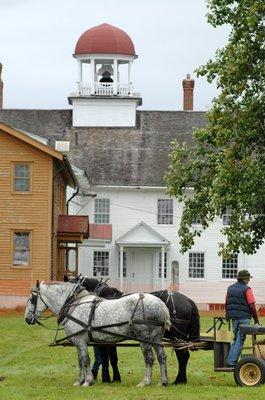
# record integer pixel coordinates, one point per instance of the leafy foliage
(226, 166)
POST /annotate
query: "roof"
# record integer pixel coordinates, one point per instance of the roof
(39, 143)
(115, 156)
(31, 139)
(100, 231)
(105, 39)
(73, 226)
(142, 235)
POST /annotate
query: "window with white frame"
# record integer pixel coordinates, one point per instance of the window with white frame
(229, 267)
(124, 270)
(227, 217)
(196, 265)
(102, 211)
(101, 263)
(21, 177)
(196, 220)
(160, 265)
(21, 249)
(165, 211)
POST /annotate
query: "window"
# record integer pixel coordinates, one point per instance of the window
(165, 211)
(196, 220)
(21, 177)
(21, 249)
(101, 263)
(227, 217)
(101, 211)
(124, 272)
(229, 267)
(160, 265)
(196, 265)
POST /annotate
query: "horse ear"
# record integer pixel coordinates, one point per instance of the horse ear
(65, 278)
(38, 284)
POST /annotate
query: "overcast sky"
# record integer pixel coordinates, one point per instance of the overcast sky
(171, 38)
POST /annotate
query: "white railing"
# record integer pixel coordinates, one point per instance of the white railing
(124, 90)
(84, 89)
(104, 89)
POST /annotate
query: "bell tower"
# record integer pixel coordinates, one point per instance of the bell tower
(105, 95)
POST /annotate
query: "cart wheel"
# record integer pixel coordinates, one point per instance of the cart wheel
(250, 371)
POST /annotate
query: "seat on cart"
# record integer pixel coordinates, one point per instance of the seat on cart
(252, 329)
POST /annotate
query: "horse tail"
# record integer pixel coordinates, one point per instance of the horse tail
(194, 333)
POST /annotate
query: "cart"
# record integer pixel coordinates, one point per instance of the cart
(250, 369)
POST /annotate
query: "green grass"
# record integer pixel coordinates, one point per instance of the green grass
(32, 370)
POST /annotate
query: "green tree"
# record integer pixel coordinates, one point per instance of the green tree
(226, 165)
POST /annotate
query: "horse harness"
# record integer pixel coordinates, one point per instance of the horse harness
(73, 300)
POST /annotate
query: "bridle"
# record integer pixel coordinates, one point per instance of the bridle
(35, 294)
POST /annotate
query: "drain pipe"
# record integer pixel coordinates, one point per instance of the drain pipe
(68, 201)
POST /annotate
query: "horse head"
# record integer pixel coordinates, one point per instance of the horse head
(90, 284)
(35, 305)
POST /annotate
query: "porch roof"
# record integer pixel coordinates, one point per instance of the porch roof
(142, 235)
(72, 228)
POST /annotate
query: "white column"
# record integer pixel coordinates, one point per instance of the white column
(80, 78)
(95, 71)
(115, 76)
(121, 268)
(129, 75)
(92, 75)
(162, 267)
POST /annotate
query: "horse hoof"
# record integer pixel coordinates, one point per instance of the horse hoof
(143, 384)
(87, 384)
(162, 384)
(179, 383)
(77, 383)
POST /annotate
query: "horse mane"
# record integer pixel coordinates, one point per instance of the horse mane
(50, 283)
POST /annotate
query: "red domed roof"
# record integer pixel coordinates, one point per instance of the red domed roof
(105, 39)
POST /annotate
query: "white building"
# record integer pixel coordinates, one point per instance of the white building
(124, 152)
(144, 231)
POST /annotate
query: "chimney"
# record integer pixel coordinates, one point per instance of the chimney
(1, 88)
(188, 87)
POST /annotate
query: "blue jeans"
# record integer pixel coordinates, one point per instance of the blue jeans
(238, 341)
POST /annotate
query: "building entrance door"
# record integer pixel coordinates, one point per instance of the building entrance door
(141, 271)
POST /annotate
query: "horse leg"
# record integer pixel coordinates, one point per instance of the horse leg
(149, 361)
(85, 374)
(105, 364)
(113, 357)
(183, 358)
(162, 359)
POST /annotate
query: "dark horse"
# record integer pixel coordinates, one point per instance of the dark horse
(184, 318)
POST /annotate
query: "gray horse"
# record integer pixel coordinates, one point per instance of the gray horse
(133, 308)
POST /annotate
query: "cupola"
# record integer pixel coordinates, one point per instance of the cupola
(105, 95)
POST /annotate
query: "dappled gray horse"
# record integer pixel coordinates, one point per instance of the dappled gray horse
(147, 318)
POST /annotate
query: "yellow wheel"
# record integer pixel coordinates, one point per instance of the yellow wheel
(250, 371)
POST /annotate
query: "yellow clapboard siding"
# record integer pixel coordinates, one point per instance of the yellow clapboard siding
(25, 212)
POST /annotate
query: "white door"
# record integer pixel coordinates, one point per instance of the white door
(141, 271)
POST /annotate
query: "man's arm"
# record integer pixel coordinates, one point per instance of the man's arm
(252, 305)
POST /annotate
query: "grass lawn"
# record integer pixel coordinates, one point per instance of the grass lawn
(30, 370)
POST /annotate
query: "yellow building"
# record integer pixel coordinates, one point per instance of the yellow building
(33, 182)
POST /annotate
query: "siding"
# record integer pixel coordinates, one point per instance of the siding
(24, 211)
(128, 207)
